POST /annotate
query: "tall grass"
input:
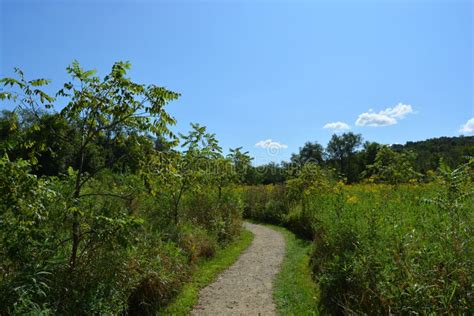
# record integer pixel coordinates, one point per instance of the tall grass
(385, 249)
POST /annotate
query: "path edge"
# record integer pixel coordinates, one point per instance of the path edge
(206, 272)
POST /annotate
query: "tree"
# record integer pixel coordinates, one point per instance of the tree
(392, 167)
(43, 143)
(309, 180)
(310, 152)
(241, 162)
(109, 110)
(171, 174)
(341, 151)
(366, 157)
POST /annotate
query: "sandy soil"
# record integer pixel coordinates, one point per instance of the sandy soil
(246, 287)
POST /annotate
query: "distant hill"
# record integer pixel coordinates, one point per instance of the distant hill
(453, 150)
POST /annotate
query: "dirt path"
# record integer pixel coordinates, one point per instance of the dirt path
(246, 287)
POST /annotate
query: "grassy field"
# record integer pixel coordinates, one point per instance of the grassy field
(404, 249)
(206, 272)
(376, 248)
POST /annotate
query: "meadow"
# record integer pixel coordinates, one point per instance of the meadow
(381, 249)
(105, 210)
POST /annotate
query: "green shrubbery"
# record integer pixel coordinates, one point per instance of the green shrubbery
(100, 211)
(265, 203)
(380, 248)
(125, 262)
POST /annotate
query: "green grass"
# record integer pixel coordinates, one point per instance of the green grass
(294, 291)
(206, 272)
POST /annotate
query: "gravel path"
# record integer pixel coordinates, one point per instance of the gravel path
(246, 287)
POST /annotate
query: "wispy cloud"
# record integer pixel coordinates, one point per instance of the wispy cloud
(468, 127)
(337, 125)
(385, 117)
(398, 111)
(375, 119)
(268, 143)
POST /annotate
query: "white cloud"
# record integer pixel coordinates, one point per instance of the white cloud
(375, 119)
(398, 111)
(385, 117)
(336, 125)
(468, 127)
(268, 143)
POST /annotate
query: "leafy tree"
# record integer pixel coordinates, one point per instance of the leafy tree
(241, 162)
(341, 151)
(108, 109)
(9, 137)
(310, 152)
(369, 152)
(393, 167)
(366, 157)
(229, 170)
(40, 139)
(310, 179)
(172, 174)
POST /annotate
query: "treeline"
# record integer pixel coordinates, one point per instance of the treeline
(103, 210)
(452, 150)
(42, 133)
(358, 161)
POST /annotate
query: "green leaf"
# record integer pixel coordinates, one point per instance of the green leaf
(39, 82)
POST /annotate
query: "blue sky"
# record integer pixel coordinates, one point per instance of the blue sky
(254, 71)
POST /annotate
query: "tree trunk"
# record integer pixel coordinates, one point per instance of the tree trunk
(176, 204)
(75, 221)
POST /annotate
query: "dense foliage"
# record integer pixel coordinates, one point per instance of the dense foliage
(381, 248)
(451, 150)
(103, 210)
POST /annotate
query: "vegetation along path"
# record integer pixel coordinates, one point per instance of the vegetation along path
(246, 287)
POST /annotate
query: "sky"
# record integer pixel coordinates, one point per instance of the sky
(267, 75)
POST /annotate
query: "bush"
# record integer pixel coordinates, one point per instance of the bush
(196, 243)
(128, 261)
(300, 223)
(27, 238)
(160, 273)
(266, 203)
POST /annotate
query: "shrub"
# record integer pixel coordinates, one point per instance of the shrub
(196, 243)
(266, 203)
(27, 238)
(159, 273)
